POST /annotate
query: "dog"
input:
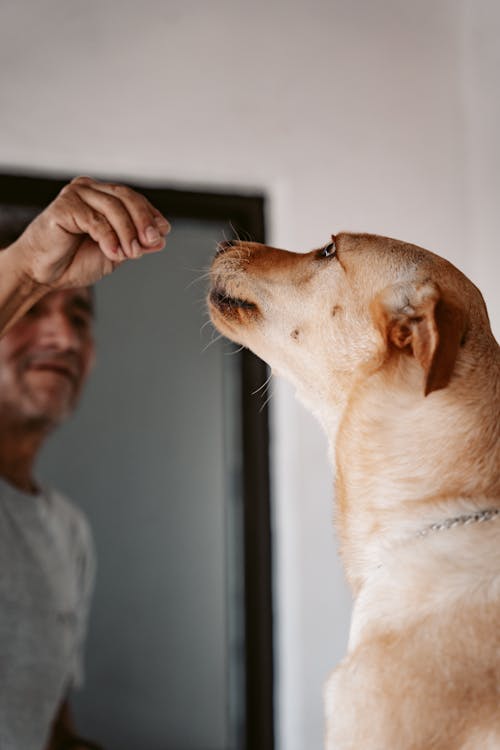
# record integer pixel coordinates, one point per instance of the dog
(390, 346)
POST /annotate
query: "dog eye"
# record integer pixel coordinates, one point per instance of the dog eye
(328, 251)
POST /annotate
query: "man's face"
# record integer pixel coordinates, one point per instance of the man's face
(46, 357)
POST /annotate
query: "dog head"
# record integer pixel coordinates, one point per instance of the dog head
(359, 304)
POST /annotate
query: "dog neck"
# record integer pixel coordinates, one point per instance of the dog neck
(481, 516)
(405, 462)
(402, 586)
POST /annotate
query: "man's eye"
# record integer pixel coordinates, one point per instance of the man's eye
(32, 312)
(328, 251)
(80, 321)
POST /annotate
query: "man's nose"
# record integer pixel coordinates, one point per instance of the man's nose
(57, 330)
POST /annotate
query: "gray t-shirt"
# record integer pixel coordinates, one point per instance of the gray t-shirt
(46, 580)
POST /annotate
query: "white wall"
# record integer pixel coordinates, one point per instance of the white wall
(376, 115)
(480, 81)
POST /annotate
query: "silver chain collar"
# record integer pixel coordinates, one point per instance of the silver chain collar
(450, 523)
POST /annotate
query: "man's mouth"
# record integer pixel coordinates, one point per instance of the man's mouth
(58, 368)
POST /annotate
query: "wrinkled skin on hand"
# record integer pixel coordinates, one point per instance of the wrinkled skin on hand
(86, 232)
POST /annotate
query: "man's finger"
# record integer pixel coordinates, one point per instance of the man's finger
(117, 215)
(77, 217)
(151, 226)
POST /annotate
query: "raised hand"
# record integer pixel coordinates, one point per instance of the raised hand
(86, 232)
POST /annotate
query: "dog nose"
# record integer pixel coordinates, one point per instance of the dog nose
(224, 245)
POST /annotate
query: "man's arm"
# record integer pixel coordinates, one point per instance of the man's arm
(84, 234)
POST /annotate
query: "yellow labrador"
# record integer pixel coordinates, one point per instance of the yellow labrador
(390, 346)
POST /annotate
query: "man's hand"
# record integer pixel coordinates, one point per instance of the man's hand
(86, 232)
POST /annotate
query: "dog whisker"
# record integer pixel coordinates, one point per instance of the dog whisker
(205, 324)
(234, 232)
(265, 403)
(211, 342)
(205, 275)
(235, 351)
(264, 384)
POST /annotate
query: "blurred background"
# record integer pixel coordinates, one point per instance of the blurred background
(380, 116)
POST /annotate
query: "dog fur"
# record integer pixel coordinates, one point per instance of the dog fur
(390, 346)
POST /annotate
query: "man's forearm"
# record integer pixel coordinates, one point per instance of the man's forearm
(17, 291)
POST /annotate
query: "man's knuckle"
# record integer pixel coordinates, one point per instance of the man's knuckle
(81, 179)
(111, 202)
(126, 194)
(52, 221)
(97, 221)
(66, 190)
(117, 189)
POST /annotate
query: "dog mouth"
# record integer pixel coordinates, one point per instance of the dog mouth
(224, 302)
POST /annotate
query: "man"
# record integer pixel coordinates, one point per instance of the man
(46, 354)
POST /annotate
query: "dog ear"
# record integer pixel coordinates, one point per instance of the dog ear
(418, 318)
